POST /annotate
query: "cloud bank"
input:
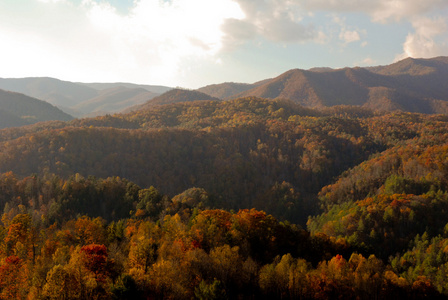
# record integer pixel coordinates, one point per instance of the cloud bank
(428, 19)
(281, 20)
(93, 38)
(153, 39)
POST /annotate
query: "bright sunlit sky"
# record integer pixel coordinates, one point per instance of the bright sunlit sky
(193, 43)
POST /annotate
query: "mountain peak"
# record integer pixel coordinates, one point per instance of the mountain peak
(175, 96)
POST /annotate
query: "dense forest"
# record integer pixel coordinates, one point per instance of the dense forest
(248, 198)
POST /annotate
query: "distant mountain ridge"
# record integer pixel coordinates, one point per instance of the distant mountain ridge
(414, 85)
(55, 91)
(81, 99)
(158, 89)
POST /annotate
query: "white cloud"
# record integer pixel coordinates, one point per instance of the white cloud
(422, 43)
(51, 1)
(274, 20)
(379, 10)
(282, 21)
(398, 9)
(237, 32)
(159, 35)
(349, 36)
(93, 40)
(368, 61)
(346, 34)
(155, 40)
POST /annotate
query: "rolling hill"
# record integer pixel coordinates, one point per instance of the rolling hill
(18, 109)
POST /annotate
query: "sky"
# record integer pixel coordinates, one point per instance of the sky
(194, 43)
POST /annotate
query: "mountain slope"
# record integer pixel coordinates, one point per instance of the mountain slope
(293, 85)
(226, 89)
(29, 110)
(229, 90)
(425, 78)
(9, 120)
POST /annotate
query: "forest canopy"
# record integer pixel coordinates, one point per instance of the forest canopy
(225, 199)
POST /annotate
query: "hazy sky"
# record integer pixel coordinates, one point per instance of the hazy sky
(192, 43)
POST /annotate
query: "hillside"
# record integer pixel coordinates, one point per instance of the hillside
(424, 78)
(9, 120)
(15, 107)
(313, 89)
(394, 195)
(225, 90)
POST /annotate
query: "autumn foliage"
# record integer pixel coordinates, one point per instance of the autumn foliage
(249, 198)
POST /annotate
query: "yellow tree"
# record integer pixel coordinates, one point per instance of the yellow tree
(62, 284)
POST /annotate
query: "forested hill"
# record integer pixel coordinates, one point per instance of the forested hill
(9, 120)
(270, 154)
(248, 198)
(219, 146)
(18, 109)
